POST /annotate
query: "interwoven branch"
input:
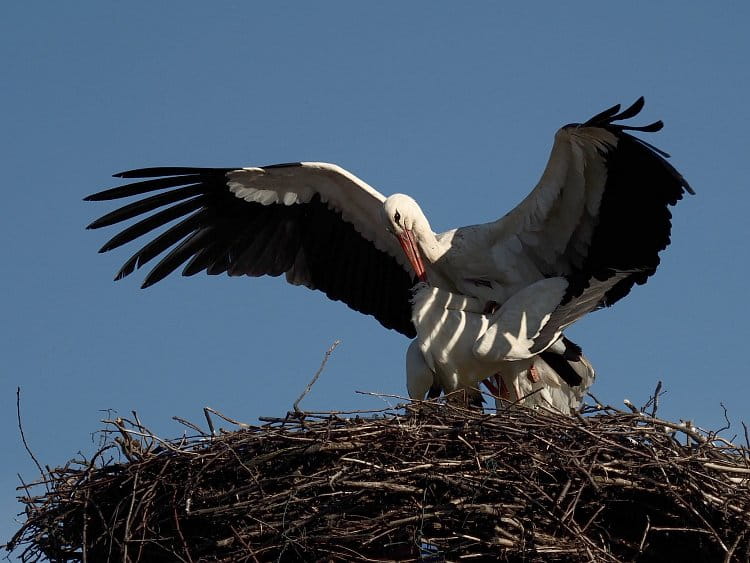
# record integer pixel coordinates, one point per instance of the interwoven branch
(433, 482)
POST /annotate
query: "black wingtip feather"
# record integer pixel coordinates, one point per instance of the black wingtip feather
(640, 183)
(562, 367)
(282, 165)
(573, 351)
(605, 115)
(138, 188)
(152, 222)
(608, 117)
(127, 269)
(158, 171)
(631, 111)
(650, 128)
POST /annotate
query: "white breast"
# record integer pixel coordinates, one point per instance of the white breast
(447, 326)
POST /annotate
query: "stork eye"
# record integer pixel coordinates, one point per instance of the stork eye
(397, 217)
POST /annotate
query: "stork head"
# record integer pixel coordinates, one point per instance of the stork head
(404, 218)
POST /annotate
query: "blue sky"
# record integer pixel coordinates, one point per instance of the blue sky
(430, 98)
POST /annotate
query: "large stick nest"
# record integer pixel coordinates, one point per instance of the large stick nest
(440, 482)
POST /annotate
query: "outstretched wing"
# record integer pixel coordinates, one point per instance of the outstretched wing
(600, 208)
(315, 222)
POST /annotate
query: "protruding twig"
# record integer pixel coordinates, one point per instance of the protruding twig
(599, 404)
(189, 424)
(207, 414)
(631, 406)
(653, 402)
(316, 376)
(137, 420)
(728, 424)
(515, 459)
(648, 522)
(23, 436)
(225, 417)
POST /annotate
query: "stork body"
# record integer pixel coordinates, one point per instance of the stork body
(540, 384)
(591, 229)
(459, 344)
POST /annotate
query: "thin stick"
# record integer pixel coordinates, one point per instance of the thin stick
(316, 376)
(207, 414)
(190, 425)
(128, 519)
(225, 417)
(656, 399)
(392, 396)
(147, 434)
(23, 436)
(730, 553)
(648, 523)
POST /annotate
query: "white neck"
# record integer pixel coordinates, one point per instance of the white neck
(427, 241)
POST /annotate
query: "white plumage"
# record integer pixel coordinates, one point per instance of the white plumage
(540, 385)
(591, 229)
(453, 329)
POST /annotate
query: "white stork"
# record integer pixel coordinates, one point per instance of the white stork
(447, 354)
(592, 228)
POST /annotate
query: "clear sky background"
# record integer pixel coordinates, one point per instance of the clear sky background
(453, 103)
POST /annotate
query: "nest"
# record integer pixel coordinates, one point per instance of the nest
(433, 482)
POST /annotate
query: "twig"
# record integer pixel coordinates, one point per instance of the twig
(147, 434)
(128, 519)
(648, 525)
(354, 487)
(657, 391)
(598, 402)
(23, 436)
(207, 414)
(728, 424)
(316, 376)
(190, 425)
(225, 417)
(727, 468)
(632, 407)
(392, 396)
(247, 547)
(177, 526)
(730, 553)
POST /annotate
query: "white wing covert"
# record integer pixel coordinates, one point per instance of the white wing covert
(600, 208)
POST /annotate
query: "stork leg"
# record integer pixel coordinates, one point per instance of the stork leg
(491, 385)
(497, 387)
(533, 374)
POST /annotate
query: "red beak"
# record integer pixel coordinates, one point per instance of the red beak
(409, 244)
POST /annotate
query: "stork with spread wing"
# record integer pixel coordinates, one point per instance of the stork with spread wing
(589, 231)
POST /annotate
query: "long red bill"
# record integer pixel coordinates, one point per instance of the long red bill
(409, 244)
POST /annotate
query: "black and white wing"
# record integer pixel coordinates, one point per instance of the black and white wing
(600, 209)
(315, 222)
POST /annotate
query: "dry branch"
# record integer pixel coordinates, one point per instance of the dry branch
(438, 483)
